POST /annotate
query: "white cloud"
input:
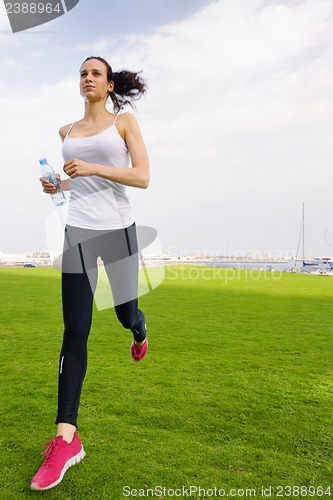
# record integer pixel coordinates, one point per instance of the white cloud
(238, 114)
(12, 63)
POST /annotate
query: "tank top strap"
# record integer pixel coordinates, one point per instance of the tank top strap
(70, 128)
(114, 121)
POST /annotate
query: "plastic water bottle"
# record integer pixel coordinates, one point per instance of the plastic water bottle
(48, 173)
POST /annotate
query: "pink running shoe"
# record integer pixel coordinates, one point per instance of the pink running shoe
(139, 352)
(60, 456)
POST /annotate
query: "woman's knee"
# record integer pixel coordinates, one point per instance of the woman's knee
(76, 328)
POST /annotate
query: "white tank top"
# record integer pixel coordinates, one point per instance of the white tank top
(97, 203)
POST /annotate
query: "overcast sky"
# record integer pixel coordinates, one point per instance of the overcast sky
(237, 118)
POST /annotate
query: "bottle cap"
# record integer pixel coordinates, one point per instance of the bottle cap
(43, 161)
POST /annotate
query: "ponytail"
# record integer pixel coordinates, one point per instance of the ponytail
(128, 86)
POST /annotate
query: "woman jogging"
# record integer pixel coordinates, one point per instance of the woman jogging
(97, 151)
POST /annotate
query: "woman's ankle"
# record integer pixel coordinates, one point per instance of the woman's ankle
(67, 431)
(139, 344)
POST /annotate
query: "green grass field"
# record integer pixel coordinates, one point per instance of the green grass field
(235, 392)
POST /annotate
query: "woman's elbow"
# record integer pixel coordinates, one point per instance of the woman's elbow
(144, 182)
(141, 177)
(144, 179)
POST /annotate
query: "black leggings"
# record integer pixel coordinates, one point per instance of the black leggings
(119, 251)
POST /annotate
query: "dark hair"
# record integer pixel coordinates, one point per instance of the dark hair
(128, 86)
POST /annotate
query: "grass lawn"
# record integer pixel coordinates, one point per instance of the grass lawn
(235, 392)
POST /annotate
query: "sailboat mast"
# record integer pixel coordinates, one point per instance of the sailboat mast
(303, 234)
(300, 239)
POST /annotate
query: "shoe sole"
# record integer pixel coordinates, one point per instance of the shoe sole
(72, 461)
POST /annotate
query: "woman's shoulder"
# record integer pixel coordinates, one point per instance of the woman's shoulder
(126, 118)
(126, 122)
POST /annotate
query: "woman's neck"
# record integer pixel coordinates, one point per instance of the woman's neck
(95, 111)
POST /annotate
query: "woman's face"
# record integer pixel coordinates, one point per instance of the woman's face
(94, 85)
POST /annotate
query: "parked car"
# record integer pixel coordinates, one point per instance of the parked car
(30, 264)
